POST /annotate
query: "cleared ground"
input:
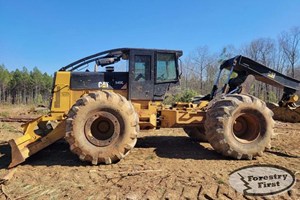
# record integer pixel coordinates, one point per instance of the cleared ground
(165, 164)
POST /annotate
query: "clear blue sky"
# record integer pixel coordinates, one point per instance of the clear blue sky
(50, 34)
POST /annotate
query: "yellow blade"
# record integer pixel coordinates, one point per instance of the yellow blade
(29, 144)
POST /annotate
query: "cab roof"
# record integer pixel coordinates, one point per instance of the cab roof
(113, 53)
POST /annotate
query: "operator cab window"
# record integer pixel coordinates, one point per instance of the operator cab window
(142, 68)
(166, 68)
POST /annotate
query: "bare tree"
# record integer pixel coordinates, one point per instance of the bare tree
(262, 50)
(201, 60)
(211, 71)
(290, 43)
(187, 73)
(227, 52)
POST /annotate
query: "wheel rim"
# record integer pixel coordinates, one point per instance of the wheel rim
(246, 128)
(102, 128)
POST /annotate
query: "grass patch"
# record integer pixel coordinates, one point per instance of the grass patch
(218, 180)
(4, 114)
(150, 157)
(38, 110)
(276, 148)
(7, 127)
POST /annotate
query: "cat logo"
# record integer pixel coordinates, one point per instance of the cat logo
(103, 84)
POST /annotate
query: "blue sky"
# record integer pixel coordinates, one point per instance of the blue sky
(52, 34)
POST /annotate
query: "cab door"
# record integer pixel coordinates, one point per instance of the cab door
(141, 75)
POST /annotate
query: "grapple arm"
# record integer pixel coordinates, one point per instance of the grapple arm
(262, 73)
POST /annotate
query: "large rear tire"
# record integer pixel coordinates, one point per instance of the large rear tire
(239, 126)
(102, 127)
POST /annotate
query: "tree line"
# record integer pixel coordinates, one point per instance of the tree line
(24, 86)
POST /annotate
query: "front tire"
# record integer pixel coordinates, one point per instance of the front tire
(102, 127)
(239, 126)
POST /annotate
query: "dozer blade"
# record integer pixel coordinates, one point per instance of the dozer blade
(285, 114)
(30, 143)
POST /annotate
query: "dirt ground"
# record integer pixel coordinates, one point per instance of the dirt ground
(165, 164)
